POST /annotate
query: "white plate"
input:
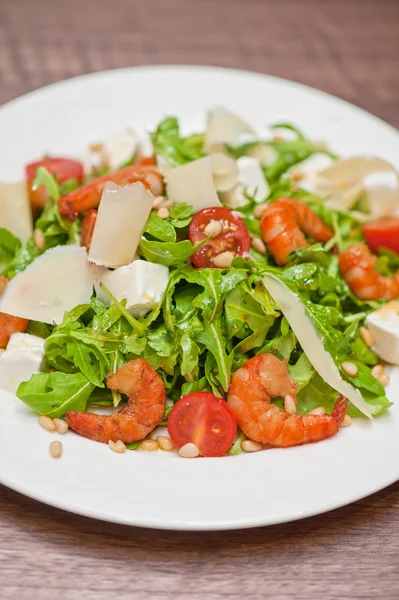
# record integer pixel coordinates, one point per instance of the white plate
(161, 490)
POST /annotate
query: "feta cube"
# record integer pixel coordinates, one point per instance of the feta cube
(383, 324)
(21, 359)
(142, 283)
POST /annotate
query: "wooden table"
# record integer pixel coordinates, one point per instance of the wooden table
(349, 48)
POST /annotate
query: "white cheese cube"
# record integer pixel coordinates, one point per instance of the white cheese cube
(383, 324)
(21, 359)
(142, 283)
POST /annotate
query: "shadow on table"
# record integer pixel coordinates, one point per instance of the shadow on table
(87, 536)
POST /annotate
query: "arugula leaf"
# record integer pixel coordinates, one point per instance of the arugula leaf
(54, 394)
(168, 253)
(160, 229)
(24, 255)
(212, 338)
(9, 245)
(167, 142)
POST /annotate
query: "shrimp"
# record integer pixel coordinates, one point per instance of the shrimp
(8, 323)
(357, 266)
(145, 408)
(264, 377)
(89, 195)
(283, 223)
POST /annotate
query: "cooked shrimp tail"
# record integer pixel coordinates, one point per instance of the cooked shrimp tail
(284, 223)
(357, 266)
(145, 408)
(253, 386)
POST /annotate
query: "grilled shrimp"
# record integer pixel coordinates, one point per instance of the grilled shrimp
(358, 270)
(283, 223)
(89, 195)
(264, 377)
(144, 410)
(8, 323)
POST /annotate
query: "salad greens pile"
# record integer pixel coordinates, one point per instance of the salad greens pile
(210, 321)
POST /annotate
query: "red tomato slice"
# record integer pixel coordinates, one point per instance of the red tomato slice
(205, 420)
(233, 235)
(88, 224)
(62, 168)
(383, 233)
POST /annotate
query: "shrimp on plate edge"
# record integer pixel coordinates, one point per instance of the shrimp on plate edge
(253, 386)
(144, 410)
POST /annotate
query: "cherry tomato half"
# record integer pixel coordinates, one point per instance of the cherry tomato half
(231, 235)
(205, 420)
(62, 168)
(88, 224)
(383, 233)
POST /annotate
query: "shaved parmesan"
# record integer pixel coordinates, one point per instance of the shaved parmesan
(193, 183)
(225, 171)
(251, 182)
(251, 177)
(265, 154)
(53, 283)
(141, 283)
(122, 215)
(312, 345)
(224, 127)
(15, 210)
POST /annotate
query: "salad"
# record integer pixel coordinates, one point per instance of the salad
(214, 293)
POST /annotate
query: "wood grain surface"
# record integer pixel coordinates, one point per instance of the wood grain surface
(347, 47)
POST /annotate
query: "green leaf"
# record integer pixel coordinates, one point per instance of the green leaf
(189, 366)
(9, 245)
(43, 177)
(24, 255)
(168, 253)
(54, 394)
(177, 150)
(160, 229)
(213, 339)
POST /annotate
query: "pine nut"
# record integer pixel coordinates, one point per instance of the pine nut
(289, 405)
(224, 259)
(213, 228)
(251, 446)
(377, 371)
(47, 423)
(349, 368)
(347, 421)
(189, 451)
(319, 411)
(165, 443)
(258, 245)
(366, 336)
(55, 449)
(149, 445)
(118, 446)
(163, 213)
(39, 239)
(384, 379)
(258, 210)
(158, 201)
(166, 204)
(61, 426)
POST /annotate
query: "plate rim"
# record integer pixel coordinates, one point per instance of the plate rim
(159, 522)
